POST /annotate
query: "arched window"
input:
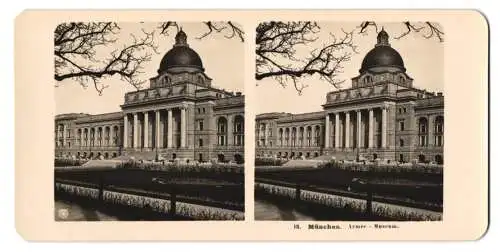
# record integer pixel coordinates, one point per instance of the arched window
(287, 136)
(422, 131)
(280, 136)
(402, 79)
(239, 130)
(368, 79)
(439, 130)
(294, 136)
(201, 80)
(166, 80)
(222, 131)
(317, 137)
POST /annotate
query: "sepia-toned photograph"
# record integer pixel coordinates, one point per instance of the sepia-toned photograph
(353, 124)
(251, 125)
(149, 121)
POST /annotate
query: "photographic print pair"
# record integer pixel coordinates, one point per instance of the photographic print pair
(151, 121)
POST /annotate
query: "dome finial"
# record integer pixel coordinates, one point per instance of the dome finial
(383, 38)
(181, 38)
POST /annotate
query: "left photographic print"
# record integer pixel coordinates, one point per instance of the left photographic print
(149, 121)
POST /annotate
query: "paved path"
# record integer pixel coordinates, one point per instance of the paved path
(265, 210)
(66, 211)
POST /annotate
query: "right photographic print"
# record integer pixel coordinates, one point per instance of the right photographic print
(350, 121)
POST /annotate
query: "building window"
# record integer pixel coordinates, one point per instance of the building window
(270, 143)
(368, 79)
(239, 131)
(402, 126)
(401, 142)
(199, 111)
(200, 142)
(439, 130)
(200, 125)
(439, 140)
(422, 140)
(222, 131)
(203, 110)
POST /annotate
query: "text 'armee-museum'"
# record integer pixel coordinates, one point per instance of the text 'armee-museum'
(181, 115)
(381, 116)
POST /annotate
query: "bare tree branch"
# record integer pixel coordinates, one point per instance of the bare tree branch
(76, 48)
(164, 27)
(229, 29)
(278, 56)
(428, 30)
(277, 45)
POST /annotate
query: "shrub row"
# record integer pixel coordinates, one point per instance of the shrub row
(194, 211)
(390, 168)
(356, 205)
(185, 167)
(60, 162)
(269, 161)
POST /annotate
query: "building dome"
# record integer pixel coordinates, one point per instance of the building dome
(383, 56)
(180, 56)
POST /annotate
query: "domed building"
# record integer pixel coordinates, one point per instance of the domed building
(381, 117)
(181, 116)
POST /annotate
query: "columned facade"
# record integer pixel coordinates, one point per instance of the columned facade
(175, 118)
(382, 116)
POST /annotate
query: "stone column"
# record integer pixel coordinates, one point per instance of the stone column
(313, 135)
(230, 129)
(125, 131)
(81, 138)
(358, 128)
(157, 128)
(169, 128)
(111, 138)
(146, 129)
(337, 130)
(327, 131)
(347, 128)
(183, 127)
(265, 135)
(57, 134)
(100, 131)
(64, 135)
(384, 126)
(88, 137)
(431, 126)
(136, 133)
(95, 136)
(370, 128)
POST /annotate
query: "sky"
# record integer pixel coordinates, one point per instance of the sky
(222, 59)
(224, 62)
(423, 59)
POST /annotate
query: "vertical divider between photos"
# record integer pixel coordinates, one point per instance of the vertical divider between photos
(250, 102)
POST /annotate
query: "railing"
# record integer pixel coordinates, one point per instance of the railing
(170, 204)
(372, 205)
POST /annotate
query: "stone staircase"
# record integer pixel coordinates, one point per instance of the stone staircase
(139, 155)
(337, 156)
(96, 163)
(310, 163)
